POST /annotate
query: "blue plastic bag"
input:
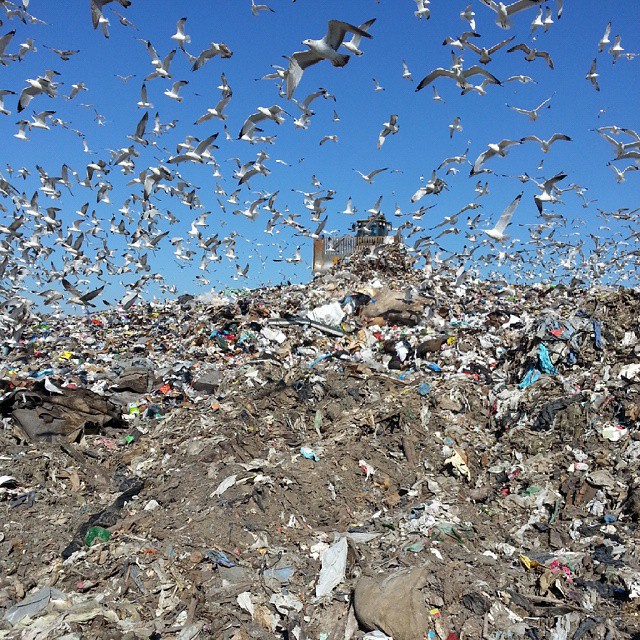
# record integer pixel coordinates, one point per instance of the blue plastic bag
(546, 366)
(424, 388)
(597, 331)
(533, 375)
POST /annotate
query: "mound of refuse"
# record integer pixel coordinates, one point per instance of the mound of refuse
(399, 455)
(368, 261)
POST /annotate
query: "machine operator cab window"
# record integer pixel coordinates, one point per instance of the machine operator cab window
(375, 226)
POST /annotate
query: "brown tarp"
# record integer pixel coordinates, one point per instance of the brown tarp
(50, 416)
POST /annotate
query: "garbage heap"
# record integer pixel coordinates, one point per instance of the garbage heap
(382, 453)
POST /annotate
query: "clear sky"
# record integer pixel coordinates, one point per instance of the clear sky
(257, 42)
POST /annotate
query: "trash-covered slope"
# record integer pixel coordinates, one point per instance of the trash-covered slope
(419, 454)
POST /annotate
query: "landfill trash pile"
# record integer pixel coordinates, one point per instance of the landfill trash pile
(390, 456)
(368, 261)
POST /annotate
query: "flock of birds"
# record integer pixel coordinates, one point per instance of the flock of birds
(49, 258)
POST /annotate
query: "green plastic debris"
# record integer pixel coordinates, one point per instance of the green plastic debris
(97, 532)
(128, 439)
(416, 547)
(457, 531)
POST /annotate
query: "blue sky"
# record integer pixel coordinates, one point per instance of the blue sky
(259, 41)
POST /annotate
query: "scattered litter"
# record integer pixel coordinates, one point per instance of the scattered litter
(460, 462)
(309, 454)
(34, 604)
(334, 566)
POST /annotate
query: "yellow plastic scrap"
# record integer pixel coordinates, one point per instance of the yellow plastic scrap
(65, 355)
(459, 462)
(451, 340)
(528, 562)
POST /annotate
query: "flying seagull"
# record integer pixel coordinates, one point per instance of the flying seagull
(620, 174)
(617, 49)
(256, 8)
(546, 144)
(436, 95)
(324, 49)
(304, 106)
(96, 9)
(604, 41)
(433, 186)
(272, 113)
(422, 10)
(390, 127)
(538, 22)
(469, 16)
(216, 112)
(5, 40)
(76, 89)
(456, 125)
(354, 44)
(532, 54)
(144, 99)
(215, 49)
(548, 188)
(486, 53)
(532, 113)
(65, 54)
(454, 159)
(405, 71)
(173, 92)
(370, 176)
(22, 125)
(180, 35)
(522, 79)
(460, 41)
(349, 209)
(3, 93)
(333, 138)
(200, 154)
(504, 12)
(458, 74)
(499, 149)
(40, 120)
(79, 298)
(124, 22)
(497, 233)
(42, 84)
(593, 75)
